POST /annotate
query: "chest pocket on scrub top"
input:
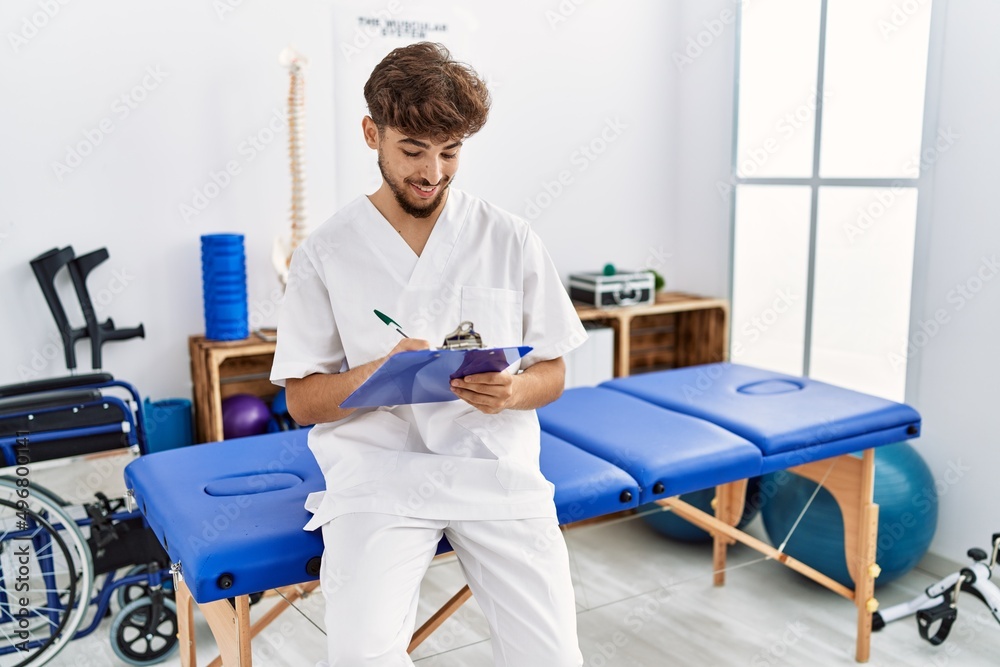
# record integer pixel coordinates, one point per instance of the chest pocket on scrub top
(496, 314)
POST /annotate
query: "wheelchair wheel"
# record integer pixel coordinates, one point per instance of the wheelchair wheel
(36, 489)
(43, 597)
(126, 594)
(47, 504)
(137, 640)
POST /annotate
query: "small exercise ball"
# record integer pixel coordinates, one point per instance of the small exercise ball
(908, 508)
(670, 525)
(243, 415)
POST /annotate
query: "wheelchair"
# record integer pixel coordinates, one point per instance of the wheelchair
(53, 553)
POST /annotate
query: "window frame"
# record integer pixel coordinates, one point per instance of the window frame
(923, 183)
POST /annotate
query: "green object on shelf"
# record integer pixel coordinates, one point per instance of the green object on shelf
(609, 269)
(658, 281)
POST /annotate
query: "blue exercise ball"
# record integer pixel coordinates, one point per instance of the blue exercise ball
(670, 525)
(908, 509)
(279, 404)
(244, 415)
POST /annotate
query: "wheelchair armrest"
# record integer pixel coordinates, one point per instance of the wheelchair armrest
(49, 399)
(51, 384)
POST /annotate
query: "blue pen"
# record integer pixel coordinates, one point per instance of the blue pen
(389, 321)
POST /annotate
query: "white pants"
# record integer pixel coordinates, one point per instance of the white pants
(518, 572)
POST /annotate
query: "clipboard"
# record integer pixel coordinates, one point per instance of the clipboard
(424, 376)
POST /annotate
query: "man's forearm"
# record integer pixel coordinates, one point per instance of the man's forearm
(539, 385)
(315, 399)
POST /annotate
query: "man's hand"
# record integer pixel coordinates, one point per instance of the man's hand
(315, 399)
(407, 344)
(487, 392)
(538, 385)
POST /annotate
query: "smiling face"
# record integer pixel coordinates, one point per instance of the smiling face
(417, 171)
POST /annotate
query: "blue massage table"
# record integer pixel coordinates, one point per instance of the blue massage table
(229, 514)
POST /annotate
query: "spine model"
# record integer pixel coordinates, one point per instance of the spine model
(285, 246)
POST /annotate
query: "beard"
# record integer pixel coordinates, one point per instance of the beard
(400, 191)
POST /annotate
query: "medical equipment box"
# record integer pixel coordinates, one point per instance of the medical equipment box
(621, 289)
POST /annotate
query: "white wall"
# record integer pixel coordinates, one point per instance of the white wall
(953, 372)
(556, 84)
(704, 145)
(221, 82)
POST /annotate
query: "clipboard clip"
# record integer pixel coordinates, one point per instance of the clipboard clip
(463, 338)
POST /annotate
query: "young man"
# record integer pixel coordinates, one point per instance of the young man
(399, 478)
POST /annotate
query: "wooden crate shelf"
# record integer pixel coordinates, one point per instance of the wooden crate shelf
(223, 368)
(677, 330)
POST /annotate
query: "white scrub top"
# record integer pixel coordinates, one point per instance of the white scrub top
(434, 460)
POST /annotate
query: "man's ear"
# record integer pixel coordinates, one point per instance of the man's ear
(370, 130)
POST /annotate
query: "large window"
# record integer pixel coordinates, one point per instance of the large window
(830, 100)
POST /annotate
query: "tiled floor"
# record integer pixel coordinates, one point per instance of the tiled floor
(647, 601)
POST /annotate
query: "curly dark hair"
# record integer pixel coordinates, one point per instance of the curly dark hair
(420, 91)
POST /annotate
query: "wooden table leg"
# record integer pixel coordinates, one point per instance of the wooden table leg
(852, 484)
(728, 506)
(439, 617)
(864, 584)
(185, 622)
(231, 629)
